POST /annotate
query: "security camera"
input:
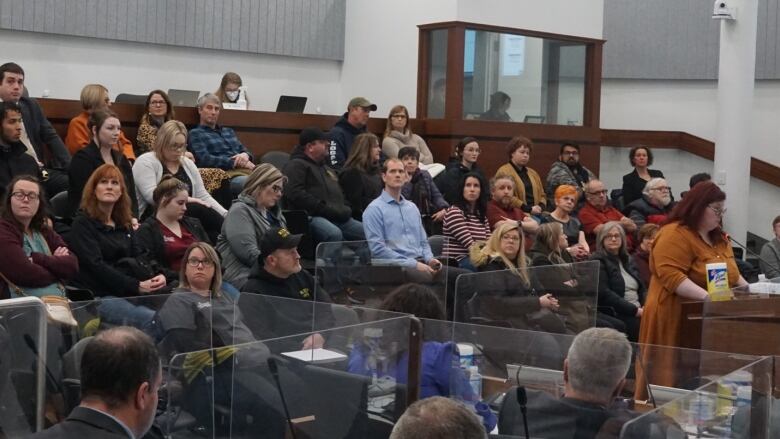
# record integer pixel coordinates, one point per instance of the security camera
(722, 10)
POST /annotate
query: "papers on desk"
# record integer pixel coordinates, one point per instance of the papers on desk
(765, 288)
(318, 355)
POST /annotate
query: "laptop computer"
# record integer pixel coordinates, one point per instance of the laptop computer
(291, 104)
(183, 98)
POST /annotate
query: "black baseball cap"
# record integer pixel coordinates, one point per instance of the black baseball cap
(311, 134)
(278, 238)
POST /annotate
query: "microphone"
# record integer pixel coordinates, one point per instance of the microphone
(522, 400)
(275, 372)
(744, 247)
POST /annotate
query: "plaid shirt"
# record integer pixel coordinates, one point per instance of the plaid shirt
(213, 148)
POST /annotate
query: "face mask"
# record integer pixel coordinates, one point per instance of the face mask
(232, 95)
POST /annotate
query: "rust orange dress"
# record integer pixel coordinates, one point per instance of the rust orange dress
(678, 253)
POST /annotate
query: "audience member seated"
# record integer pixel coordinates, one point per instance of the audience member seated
(36, 261)
(621, 292)
(568, 170)
(314, 188)
(597, 211)
(359, 179)
(105, 128)
(39, 137)
(94, 97)
(158, 111)
(420, 190)
(200, 317)
(440, 375)
(499, 104)
(500, 207)
(343, 133)
(565, 202)
(465, 161)
(691, 239)
(111, 263)
(528, 189)
(120, 382)
(594, 371)
(770, 253)
(168, 158)
(641, 255)
(278, 273)
(14, 159)
(466, 220)
(216, 146)
(518, 290)
(654, 206)
(169, 232)
(229, 89)
(438, 418)
(641, 158)
(550, 245)
(696, 179)
(398, 134)
(251, 216)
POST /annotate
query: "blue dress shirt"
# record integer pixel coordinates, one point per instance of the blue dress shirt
(395, 232)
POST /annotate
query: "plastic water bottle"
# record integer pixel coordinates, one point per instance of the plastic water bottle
(242, 97)
(376, 355)
(475, 382)
(466, 351)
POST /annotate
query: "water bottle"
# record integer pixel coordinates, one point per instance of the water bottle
(475, 382)
(375, 356)
(242, 97)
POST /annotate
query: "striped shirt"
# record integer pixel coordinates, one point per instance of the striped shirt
(462, 230)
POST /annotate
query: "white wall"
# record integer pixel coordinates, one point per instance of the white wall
(63, 64)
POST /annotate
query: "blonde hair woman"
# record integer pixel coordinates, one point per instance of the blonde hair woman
(93, 97)
(254, 212)
(167, 158)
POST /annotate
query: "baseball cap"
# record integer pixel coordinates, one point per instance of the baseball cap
(278, 238)
(311, 134)
(362, 102)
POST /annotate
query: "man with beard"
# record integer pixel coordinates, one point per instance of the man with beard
(568, 170)
(499, 208)
(14, 159)
(597, 211)
(655, 204)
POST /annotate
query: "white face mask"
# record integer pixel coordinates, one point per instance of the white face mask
(232, 95)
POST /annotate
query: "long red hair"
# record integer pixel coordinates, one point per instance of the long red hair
(690, 209)
(121, 214)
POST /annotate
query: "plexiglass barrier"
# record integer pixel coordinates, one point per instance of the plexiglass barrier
(259, 389)
(735, 405)
(23, 365)
(558, 299)
(364, 273)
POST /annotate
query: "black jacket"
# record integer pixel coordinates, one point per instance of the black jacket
(612, 287)
(99, 247)
(273, 318)
(151, 242)
(84, 163)
(85, 423)
(448, 181)
(43, 135)
(360, 189)
(314, 188)
(341, 137)
(633, 185)
(14, 161)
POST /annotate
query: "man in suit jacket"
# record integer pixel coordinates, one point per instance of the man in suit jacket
(120, 378)
(38, 135)
(593, 373)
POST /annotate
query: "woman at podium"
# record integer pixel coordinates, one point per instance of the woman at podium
(690, 239)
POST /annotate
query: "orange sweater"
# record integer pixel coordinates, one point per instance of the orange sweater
(79, 136)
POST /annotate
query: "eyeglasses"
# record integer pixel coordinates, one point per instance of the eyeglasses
(398, 116)
(613, 236)
(602, 192)
(194, 262)
(157, 103)
(178, 146)
(662, 189)
(20, 196)
(718, 211)
(571, 153)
